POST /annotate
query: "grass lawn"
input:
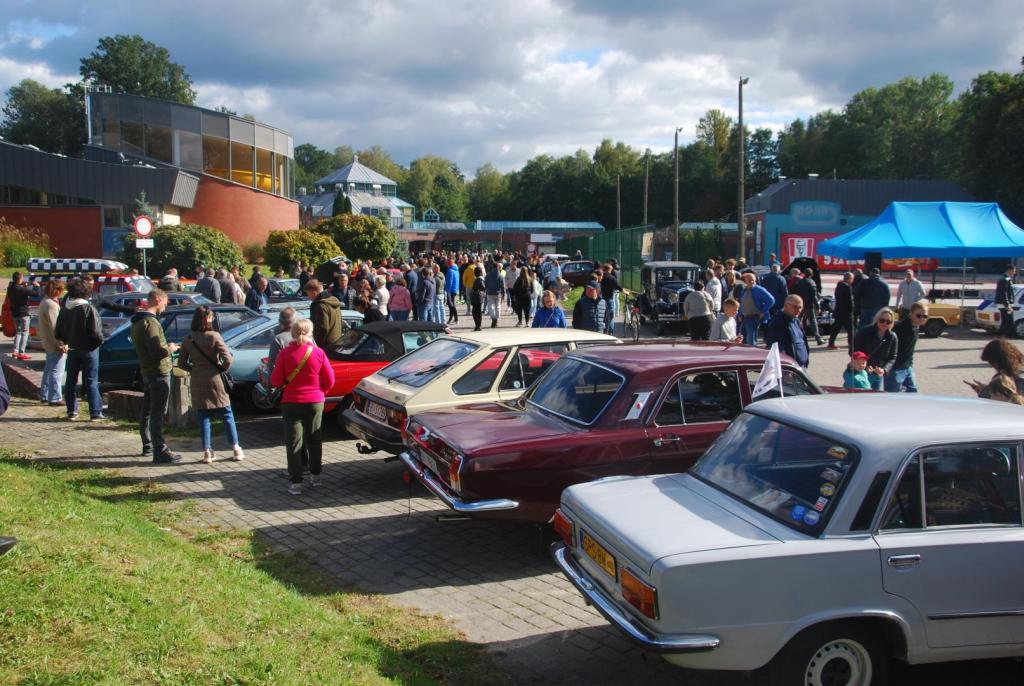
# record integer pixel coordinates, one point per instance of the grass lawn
(112, 582)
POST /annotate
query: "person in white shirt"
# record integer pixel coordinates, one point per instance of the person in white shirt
(381, 295)
(908, 292)
(724, 326)
(713, 287)
(698, 308)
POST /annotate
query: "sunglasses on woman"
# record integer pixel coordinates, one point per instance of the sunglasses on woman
(885, 321)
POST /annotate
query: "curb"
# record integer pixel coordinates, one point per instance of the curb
(22, 380)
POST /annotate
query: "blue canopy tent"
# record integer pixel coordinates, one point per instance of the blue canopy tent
(932, 229)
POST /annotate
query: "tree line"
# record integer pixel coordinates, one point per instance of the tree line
(912, 129)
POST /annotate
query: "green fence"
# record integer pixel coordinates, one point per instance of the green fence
(633, 246)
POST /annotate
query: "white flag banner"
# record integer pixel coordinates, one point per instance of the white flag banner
(771, 373)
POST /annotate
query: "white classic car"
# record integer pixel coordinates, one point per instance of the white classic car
(462, 367)
(818, 537)
(988, 315)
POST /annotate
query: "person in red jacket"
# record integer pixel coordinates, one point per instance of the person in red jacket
(305, 373)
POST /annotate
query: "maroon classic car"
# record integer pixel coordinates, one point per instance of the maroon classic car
(597, 412)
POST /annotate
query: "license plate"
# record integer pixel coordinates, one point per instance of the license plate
(982, 315)
(598, 554)
(429, 462)
(377, 410)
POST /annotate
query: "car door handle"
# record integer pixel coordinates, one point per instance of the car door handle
(903, 561)
(658, 442)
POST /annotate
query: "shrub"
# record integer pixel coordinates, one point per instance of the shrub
(253, 252)
(184, 247)
(360, 236)
(18, 244)
(283, 248)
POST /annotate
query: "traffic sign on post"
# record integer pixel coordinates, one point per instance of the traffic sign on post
(143, 243)
(143, 226)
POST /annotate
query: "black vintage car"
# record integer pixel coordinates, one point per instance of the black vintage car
(665, 285)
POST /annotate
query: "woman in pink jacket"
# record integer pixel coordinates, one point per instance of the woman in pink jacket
(400, 301)
(306, 374)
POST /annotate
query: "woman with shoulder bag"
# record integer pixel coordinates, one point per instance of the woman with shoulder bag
(306, 374)
(206, 356)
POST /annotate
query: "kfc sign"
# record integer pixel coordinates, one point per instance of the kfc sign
(794, 245)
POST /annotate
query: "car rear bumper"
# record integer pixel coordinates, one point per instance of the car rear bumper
(677, 643)
(379, 437)
(432, 484)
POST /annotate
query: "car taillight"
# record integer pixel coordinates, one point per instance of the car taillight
(454, 467)
(563, 527)
(995, 316)
(396, 418)
(640, 595)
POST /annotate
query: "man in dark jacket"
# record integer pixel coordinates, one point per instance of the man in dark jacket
(257, 298)
(494, 286)
(807, 289)
(1004, 301)
(18, 293)
(208, 287)
(902, 374)
(342, 292)
(325, 313)
(775, 283)
(610, 294)
(424, 296)
(879, 343)
(858, 279)
(154, 353)
(842, 314)
(79, 335)
(589, 313)
(227, 287)
(874, 295)
(786, 330)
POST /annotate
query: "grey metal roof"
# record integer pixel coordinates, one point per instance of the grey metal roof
(537, 226)
(863, 197)
(102, 182)
(356, 173)
(319, 204)
(360, 200)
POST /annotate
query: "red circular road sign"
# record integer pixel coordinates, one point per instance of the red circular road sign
(143, 226)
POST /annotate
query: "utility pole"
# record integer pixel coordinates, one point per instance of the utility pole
(618, 201)
(741, 228)
(647, 181)
(675, 194)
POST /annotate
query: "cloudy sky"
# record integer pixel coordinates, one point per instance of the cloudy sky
(480, 81)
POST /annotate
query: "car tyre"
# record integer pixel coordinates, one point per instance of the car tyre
(839, 653)
(258, 401)
(933, 328)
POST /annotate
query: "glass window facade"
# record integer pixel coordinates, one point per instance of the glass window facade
(193, 138)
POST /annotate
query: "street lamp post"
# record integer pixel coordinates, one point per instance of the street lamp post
(675, 194)
(741, 228)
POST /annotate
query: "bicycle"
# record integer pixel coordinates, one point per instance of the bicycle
(631, 317)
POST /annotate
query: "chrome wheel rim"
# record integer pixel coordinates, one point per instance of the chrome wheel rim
(843, 662)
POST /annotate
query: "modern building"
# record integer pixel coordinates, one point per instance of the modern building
(369, 193)
(792, 216)
(195, 166)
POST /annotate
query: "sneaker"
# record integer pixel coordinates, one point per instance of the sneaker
(208, 457)
(99, 418)
(314, 480)
(237, 455)
(71, 416)
(147, 451)
(167, 458)
(24, 357)
(295, 489)
(55, 403)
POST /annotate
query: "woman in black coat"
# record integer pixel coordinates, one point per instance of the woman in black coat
(522, 295)
(879, 343)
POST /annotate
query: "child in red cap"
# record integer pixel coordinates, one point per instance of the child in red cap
(856, 374)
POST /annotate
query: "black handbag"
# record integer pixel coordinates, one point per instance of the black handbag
(274, 394)
(226, 379)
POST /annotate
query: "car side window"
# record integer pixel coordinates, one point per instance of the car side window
(416, 339)
(1020, 298)
(709, 397)
(962, 485)
(480, 378)
(671, 410)
(177, 329)
(530, 362)
(793, 384)
(260, 341)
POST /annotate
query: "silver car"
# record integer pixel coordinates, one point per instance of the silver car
(817, 538)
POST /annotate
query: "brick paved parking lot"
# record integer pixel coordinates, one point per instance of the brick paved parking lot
(371, 531)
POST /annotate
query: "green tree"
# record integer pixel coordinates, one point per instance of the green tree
(379, 160)
(311, 164)
(184, 247)
(132, 64)
(438, 183)
(51, 119)
(342, 204)
(762, 159)
(714, 132)
(360, 236)
(284, 248)
(487, 193)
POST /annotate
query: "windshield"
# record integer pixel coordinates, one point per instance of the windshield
(677, 274)
(289, 286)
(788, 473)
(424, 364)
(575, 389)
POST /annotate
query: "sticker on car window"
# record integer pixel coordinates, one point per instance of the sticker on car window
(827, 489)
(638, 405)
(811, 518)
(831, 475)
(820, 503)
(798, 512)
(838, 452)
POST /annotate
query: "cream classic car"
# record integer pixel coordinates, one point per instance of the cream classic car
(467, 367)
(817, 538)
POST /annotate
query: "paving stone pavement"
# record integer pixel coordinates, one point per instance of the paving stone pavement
(371, 531)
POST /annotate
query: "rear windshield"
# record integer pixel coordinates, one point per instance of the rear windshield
(427, 363)
(575, 389)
